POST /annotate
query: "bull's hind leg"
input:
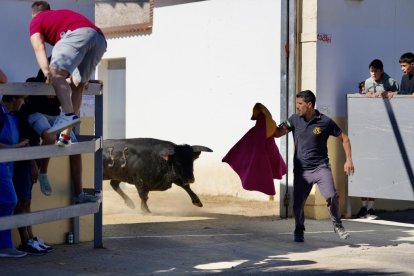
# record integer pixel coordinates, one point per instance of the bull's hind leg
(128, 201)
(194, 198)
(143, 194)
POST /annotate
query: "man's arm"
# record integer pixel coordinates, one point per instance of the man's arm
(393, 89)
(346, 143)
(281, 130)
(3, 77)
(39, 48)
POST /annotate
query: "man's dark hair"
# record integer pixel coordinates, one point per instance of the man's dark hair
(307, 96)
(39, 6)
(407, 58)
(361, 85)
(9, 98)
(376, 64)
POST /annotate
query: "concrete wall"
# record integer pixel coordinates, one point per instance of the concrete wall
(18, 62)
(195, 78)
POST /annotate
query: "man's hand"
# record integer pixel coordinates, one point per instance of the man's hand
(48, 76)
(349, 167)
(22, 144)
(389, 94)
(382, 94)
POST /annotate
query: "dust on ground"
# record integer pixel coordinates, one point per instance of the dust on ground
(175, 205)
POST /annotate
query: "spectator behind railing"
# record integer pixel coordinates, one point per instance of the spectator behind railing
(3, 77)
(407, 80)
(9, 138)
(380, 84)
(361, 87)
(26, 173)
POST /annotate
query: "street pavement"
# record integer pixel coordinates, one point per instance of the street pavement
(235, 245)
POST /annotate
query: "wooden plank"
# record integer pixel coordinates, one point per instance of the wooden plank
(47, 215)
(30, 153)
(36, 88)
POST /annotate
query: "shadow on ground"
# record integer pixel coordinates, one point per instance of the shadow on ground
(226, 237)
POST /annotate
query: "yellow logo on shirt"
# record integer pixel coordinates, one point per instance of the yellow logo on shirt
(317, 130)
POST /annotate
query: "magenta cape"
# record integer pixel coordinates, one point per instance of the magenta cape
(257, 160)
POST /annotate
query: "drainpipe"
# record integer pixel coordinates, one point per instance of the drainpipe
(287, 89)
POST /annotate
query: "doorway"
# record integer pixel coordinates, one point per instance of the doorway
(113, 73)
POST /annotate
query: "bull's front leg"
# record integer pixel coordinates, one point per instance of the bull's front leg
(194, 198)
(128, 201)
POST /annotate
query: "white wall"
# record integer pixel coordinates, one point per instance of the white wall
(196, 77)
(360, 32)
(17, 59)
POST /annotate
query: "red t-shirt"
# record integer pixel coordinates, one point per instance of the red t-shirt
(52, 23)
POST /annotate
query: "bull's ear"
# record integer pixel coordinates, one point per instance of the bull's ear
(201, 148)
(165, 153)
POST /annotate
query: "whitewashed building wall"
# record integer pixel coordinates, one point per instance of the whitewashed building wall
(196, 77)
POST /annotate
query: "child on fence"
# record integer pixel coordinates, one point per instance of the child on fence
(9, 138)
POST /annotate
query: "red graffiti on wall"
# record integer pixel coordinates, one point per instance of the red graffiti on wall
(326, 38)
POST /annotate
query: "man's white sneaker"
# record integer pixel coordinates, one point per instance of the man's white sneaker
(42, 244)
(63, 122)
(340, 230)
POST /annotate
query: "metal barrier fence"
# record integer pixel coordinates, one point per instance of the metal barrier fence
(87, 144)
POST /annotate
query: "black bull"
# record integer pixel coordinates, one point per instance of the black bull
(150, 165)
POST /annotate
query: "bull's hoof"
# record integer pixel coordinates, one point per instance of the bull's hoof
(130, 203)
(198, 203)
(145, 210)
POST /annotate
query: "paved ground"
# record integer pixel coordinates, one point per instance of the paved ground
(206, 241)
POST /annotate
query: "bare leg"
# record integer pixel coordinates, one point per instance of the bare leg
(62, 89)
(76, 172)
(77, 90)
(76, 175)
(23, 206)
(47, 139)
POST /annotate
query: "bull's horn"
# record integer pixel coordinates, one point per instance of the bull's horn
(201, 148)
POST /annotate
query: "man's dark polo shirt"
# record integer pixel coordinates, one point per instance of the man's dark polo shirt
(407, 85)
(311, 138)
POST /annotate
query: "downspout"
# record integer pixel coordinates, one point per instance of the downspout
(287, 89)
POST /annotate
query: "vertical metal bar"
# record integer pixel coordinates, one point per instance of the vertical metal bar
(75, 229)
(98, 170)
(287, 89)
(291, 90)
(284, 72)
